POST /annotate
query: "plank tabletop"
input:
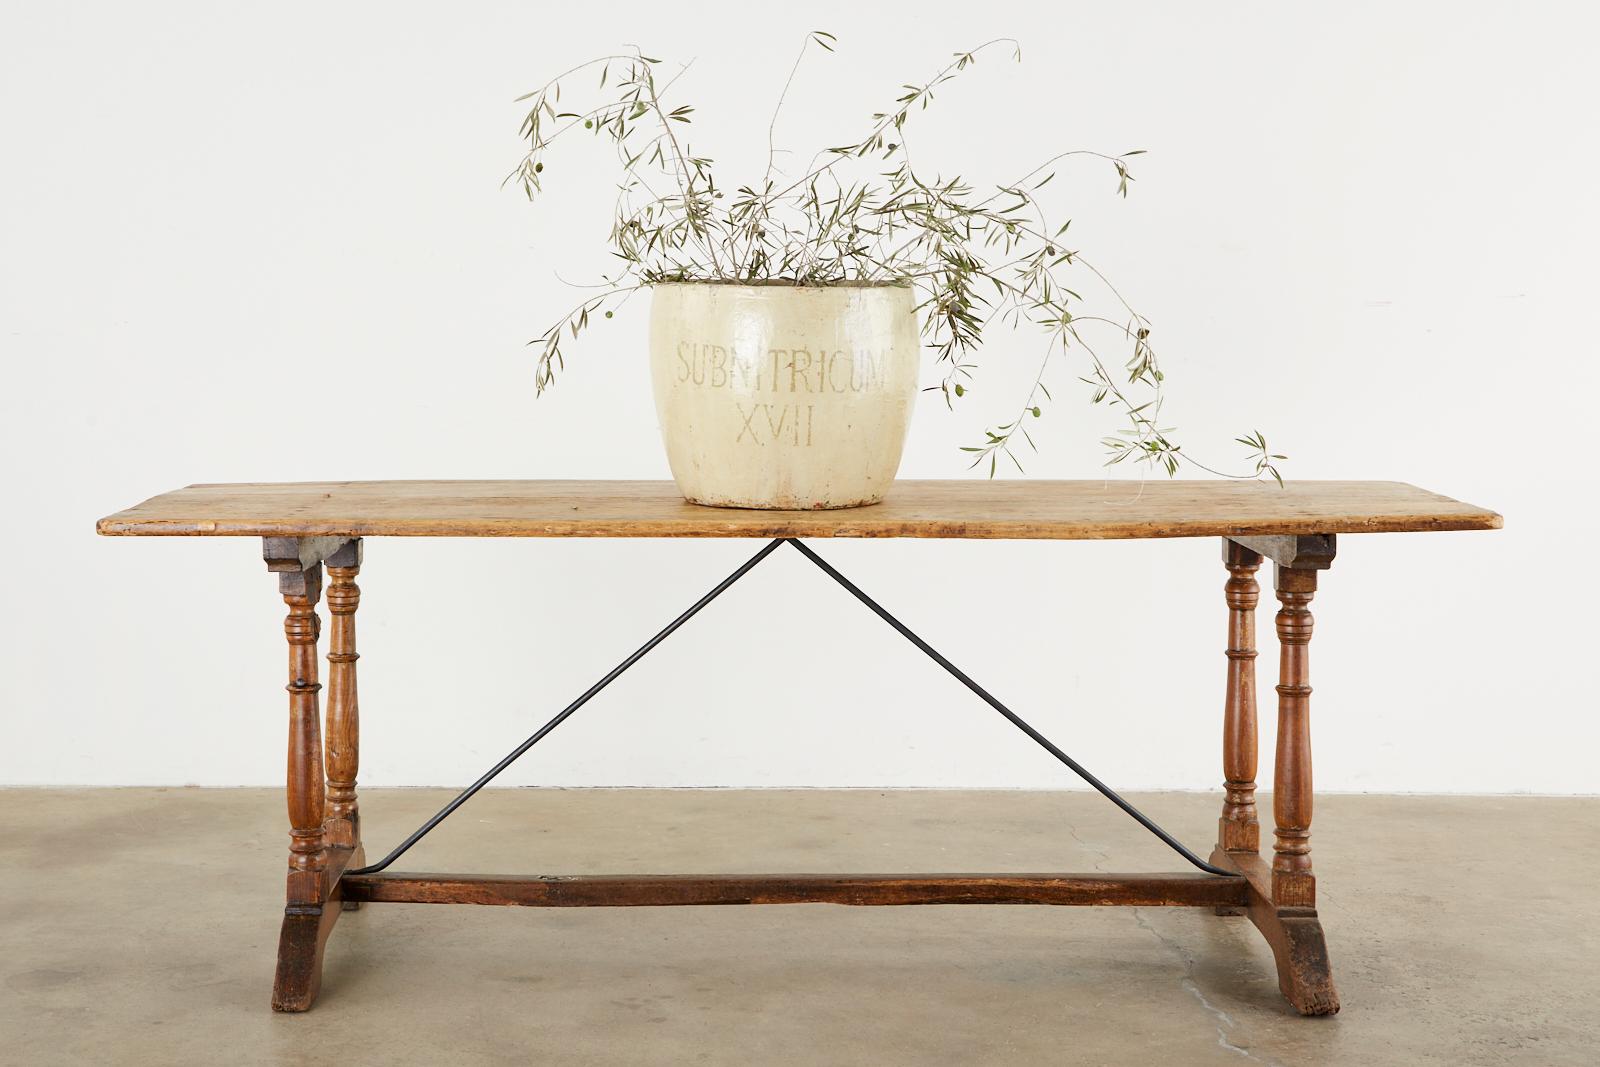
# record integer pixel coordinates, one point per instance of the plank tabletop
(1067, 510)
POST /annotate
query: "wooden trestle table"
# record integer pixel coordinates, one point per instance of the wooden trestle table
(310, 527)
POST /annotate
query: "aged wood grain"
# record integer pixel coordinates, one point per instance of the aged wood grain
(973, 509)
(661, 890)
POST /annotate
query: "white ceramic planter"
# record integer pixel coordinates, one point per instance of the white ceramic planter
(783, 396)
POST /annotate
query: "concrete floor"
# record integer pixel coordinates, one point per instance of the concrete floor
(138, 926)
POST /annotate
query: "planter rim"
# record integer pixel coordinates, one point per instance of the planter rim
(779, 283)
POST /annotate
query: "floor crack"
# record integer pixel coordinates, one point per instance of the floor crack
(1225, 1023)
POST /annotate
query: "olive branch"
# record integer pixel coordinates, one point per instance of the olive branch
(975, 256)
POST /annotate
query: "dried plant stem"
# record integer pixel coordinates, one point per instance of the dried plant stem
(976, 258)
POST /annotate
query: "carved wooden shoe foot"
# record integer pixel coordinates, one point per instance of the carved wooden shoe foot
(1295, 935)
(300, 945)
(1301, 953)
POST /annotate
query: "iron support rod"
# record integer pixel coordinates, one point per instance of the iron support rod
(1015, 719)
(516, 753)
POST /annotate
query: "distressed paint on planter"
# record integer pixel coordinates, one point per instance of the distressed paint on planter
(783, 396)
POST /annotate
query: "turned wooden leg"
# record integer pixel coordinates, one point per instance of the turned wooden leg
(342, 829)
(1293, 884)
(1283, 894)
(314, 868)
(1238, 830)
(308, 856)
(301, 940)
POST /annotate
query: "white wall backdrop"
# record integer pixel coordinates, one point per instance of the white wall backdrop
(246, 242)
